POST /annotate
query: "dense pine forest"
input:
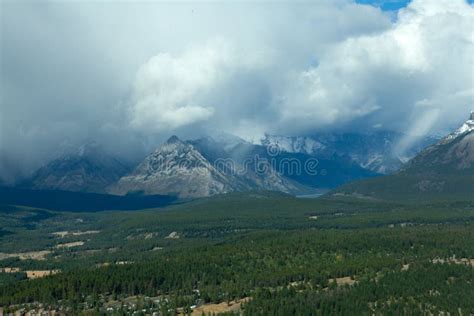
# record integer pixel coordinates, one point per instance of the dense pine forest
(276, 254)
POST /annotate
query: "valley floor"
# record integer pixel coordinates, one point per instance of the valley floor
(251, 254)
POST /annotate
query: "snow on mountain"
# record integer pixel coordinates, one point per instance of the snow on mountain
(201, 167)
(373, 151)
(454, 152)
(296, 144)
(467, 127)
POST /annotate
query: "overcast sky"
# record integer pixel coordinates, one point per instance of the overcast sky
(134, 73)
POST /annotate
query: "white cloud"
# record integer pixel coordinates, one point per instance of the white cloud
(376, 76)
(425, 55)
(166, 89)
(286, 68)
(175, 91)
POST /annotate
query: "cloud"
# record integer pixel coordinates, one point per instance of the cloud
(230, 81)
(425, 55)
(166, 90)
(131, 74)
(378, 75)
(175, 91)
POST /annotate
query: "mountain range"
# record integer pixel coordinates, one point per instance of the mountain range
(207, 166)
(225, 163)
(374, 151)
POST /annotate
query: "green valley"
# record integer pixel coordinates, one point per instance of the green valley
(276, 252)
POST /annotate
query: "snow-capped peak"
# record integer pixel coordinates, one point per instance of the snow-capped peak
(467, 127)
(174, 145)
(297, 144)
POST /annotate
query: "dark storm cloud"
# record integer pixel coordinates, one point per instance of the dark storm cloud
(130, 74)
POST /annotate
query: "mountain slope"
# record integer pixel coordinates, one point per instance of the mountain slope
(174, 168)
(443, 170)
(249, 163)
(307, 170)
(196, 169)
(88, 169)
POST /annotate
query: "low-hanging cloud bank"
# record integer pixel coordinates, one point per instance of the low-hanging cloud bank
(129, 74)
(405, 77)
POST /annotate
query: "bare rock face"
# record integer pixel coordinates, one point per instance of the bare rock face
(174, 168)
(179, 168)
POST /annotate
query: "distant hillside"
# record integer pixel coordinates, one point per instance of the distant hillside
(441, 171)
(88, 169)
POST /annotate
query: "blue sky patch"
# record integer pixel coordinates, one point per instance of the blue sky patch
(391, 5)
(386, 5)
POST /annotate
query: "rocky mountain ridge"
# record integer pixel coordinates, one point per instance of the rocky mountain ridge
(224, 163)
(179, 168)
